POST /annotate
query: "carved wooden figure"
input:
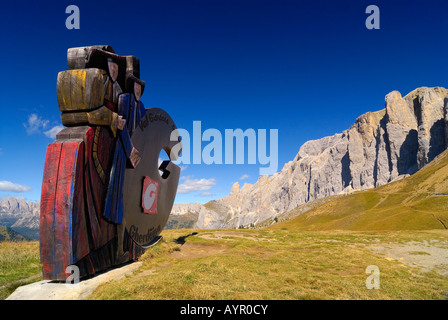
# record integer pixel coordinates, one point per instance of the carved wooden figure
(84, 207)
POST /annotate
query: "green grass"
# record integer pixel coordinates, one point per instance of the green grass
(257, 264)
(275, 265)
(18, 261)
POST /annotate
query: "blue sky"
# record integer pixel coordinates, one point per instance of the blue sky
(306, 68)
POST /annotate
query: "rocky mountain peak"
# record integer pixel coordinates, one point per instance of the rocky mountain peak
(20, 215)
(235, 189)
(11, 205)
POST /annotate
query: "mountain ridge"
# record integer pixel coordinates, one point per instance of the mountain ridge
(379, 147)
(21, 216)
(417, 202)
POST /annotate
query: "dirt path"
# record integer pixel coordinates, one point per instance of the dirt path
(426, 255)
(197, 250)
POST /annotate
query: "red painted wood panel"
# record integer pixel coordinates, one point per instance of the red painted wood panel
(47, 208)
(63, 228)
(63, 207)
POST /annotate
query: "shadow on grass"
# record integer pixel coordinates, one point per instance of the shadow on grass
(182, 240)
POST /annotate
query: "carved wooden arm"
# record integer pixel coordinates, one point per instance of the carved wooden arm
(106, 117)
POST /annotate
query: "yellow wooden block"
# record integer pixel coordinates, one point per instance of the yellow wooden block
(82, 89)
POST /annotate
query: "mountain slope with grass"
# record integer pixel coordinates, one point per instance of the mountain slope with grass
(8, 234)
(417, 202)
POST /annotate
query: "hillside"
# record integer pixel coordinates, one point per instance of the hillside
(7, 234)
(417, 202)
(181, 221)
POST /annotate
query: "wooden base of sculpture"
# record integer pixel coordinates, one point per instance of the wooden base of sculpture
(66, 231)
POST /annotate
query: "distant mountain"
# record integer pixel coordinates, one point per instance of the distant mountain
(380, 147)
(21, 216)
(184, 215)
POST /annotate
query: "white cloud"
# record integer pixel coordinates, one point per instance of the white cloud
(35, 124)
(244, 176)
(53, 131)
(191, 185)
(13, 187)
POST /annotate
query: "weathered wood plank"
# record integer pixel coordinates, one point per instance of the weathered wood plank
(74, 119)
(79, 57)
(47, 208)
(97, 57)
(62, 91)
(72, 133)
(81, 89)
(133, 65)
(63, 228)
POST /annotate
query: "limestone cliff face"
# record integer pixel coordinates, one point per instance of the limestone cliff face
(20, 215)
(378, 148)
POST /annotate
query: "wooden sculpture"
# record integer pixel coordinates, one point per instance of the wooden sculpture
(103, 200)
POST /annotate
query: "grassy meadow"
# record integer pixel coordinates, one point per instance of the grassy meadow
(265, 264)
(280, 264)
(19, 265)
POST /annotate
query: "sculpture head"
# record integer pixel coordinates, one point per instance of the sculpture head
(134, 85)
(113, 69)
(137, 91)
